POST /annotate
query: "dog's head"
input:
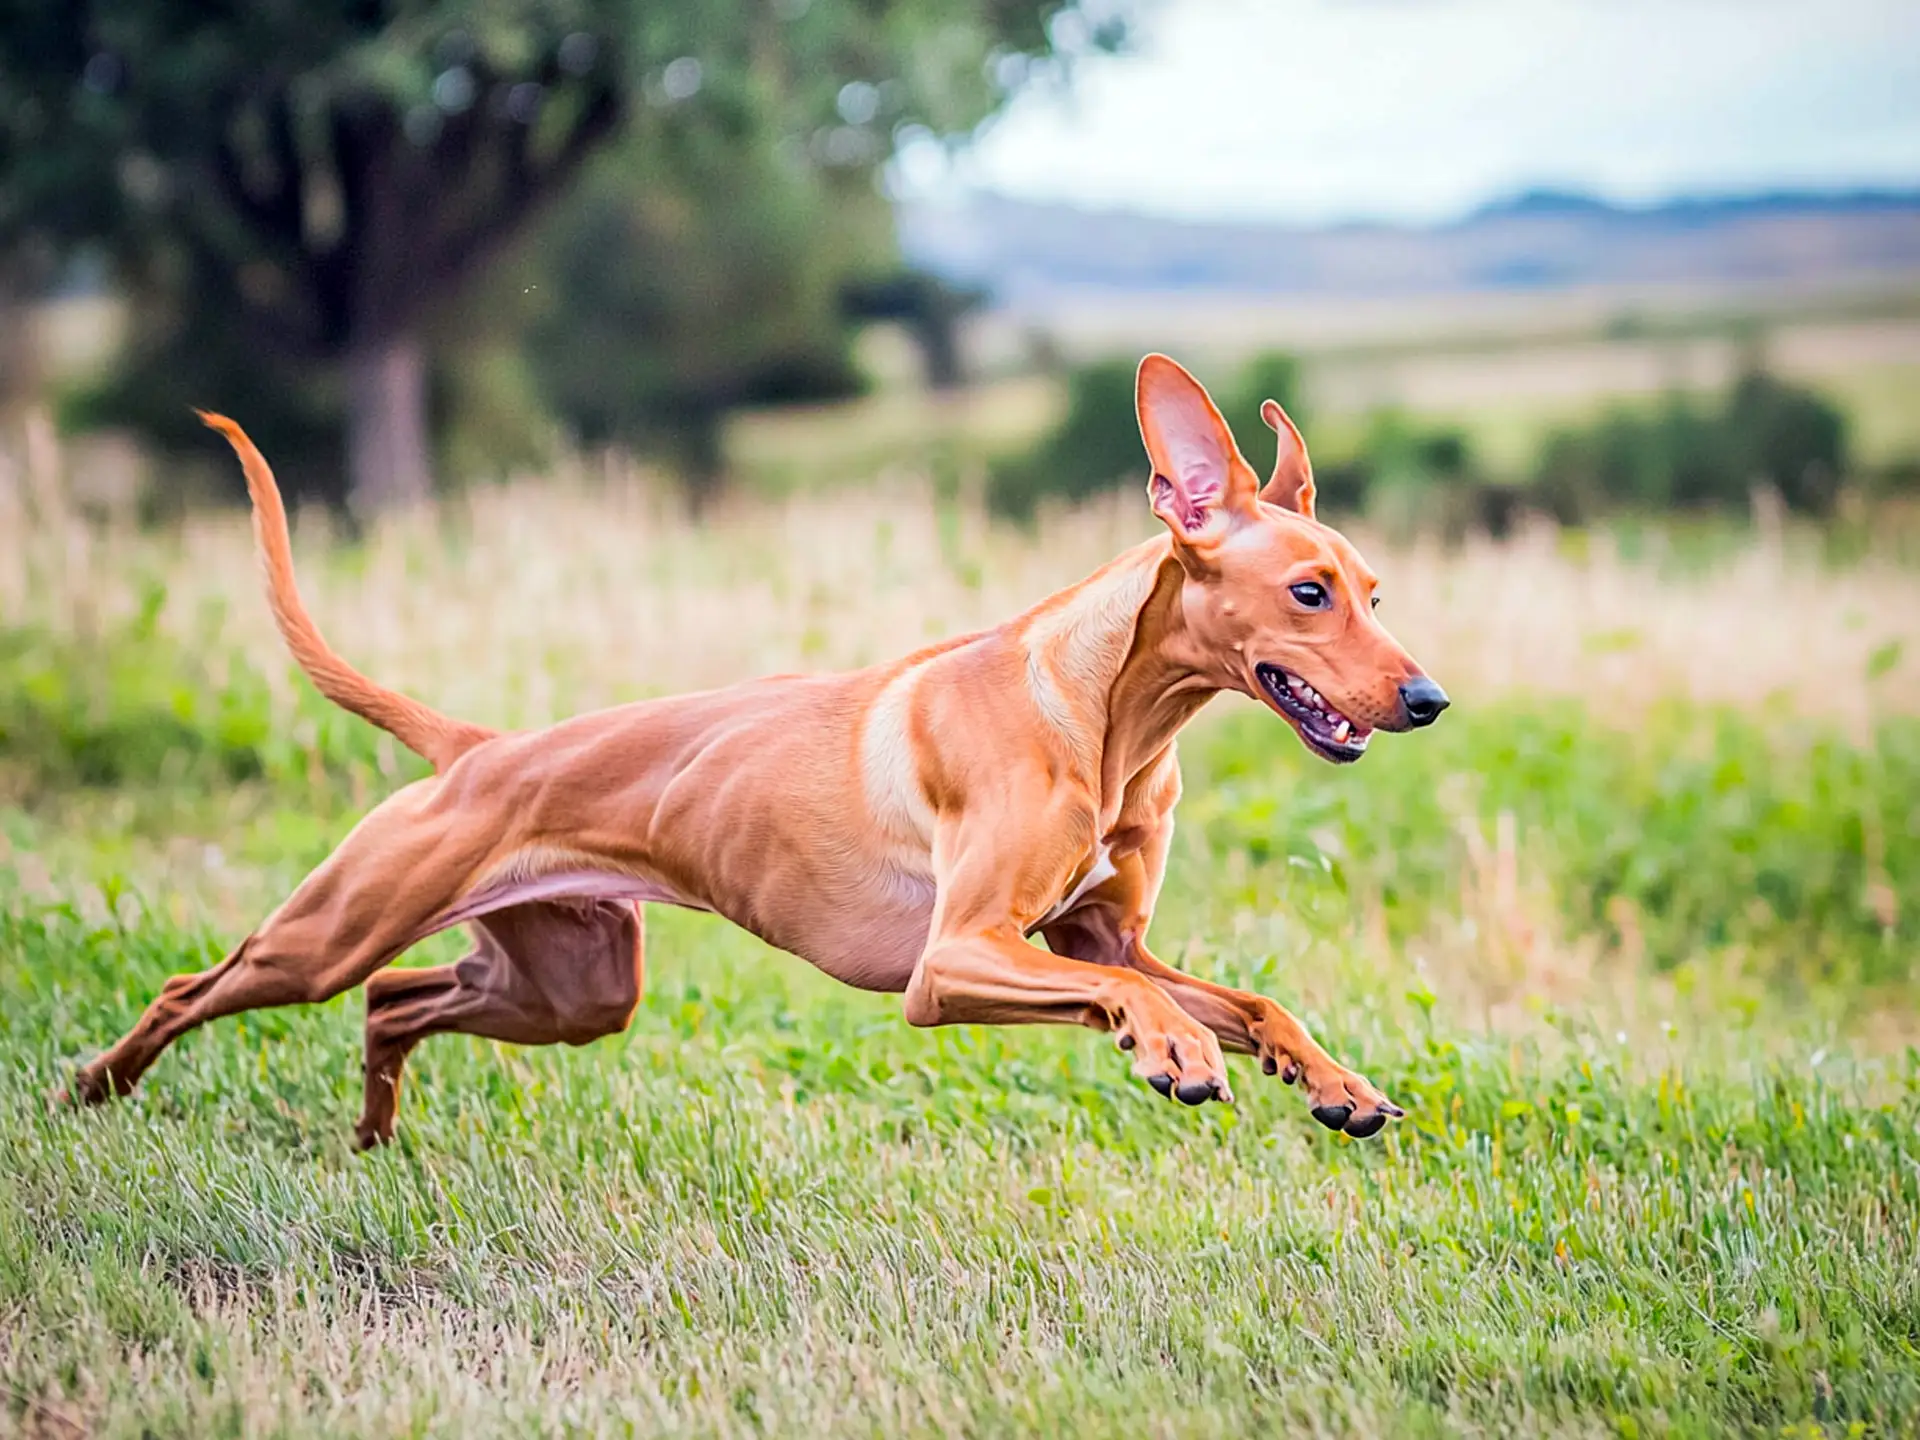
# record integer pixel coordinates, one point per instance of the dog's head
(1276, 605)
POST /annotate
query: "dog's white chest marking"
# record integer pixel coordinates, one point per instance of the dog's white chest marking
(1102, 870)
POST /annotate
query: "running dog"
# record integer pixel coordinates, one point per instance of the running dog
(908, 828)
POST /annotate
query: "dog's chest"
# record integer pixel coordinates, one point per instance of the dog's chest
(1099, 869)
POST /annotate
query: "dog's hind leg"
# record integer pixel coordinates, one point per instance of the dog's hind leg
(561, 971)
(374, 896)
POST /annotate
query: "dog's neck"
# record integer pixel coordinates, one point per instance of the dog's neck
(1113, 665)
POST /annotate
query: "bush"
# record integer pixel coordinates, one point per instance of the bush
(1097, 445)
(1688, 454)
(1274, 375)
(1411, 477)
(1095, 448)
(1690, 457)
(1792, 437)
(132, 706)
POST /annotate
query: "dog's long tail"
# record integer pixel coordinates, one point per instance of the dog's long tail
(439, 738)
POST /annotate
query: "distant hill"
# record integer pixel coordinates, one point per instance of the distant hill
(1027, 253)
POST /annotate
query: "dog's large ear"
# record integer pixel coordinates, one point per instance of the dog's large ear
(1291, 487)
(1200, 482)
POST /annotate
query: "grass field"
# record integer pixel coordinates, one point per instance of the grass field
(1633, 935)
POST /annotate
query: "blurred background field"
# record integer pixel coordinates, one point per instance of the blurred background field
(693, 343)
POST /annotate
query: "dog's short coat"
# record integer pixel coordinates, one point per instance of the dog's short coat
(906, 828)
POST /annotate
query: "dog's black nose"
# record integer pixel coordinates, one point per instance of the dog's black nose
(1424, 701)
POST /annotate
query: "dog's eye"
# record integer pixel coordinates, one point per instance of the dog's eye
(1375, 602)
(1313, 596)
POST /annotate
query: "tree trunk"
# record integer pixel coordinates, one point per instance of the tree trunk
(937, 328)
(702, 461)
(19, 358)
(388, 465)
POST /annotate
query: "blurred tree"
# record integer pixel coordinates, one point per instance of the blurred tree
(284, 184)
(295, 191)
(723, 251)
(694, 274)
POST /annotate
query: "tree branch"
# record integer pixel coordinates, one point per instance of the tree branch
(530, 188)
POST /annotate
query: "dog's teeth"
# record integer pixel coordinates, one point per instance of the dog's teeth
(1341, 731)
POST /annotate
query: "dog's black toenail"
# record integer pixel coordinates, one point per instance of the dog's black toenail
(1198, 1093)
(1125, 1042)
(1291, 1074)
(1162, 1083)
(1362, 1126)
(1389, 1108)
(1270, 1065)
(1334, 1117)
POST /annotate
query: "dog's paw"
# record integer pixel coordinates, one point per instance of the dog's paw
(371, 1137)
(1182, 1060)
(1340, 1098)
(1348, 1102)
(90, 1085)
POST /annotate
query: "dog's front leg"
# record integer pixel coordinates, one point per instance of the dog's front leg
(1109, 927)
(978, 967)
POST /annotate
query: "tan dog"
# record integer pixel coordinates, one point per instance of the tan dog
(906, 828)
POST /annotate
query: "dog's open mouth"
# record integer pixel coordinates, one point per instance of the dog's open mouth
(1325, 730)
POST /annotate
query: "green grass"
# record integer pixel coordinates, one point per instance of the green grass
(1658, 1176)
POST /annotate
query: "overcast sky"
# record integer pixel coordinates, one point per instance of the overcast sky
(1420, 109)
